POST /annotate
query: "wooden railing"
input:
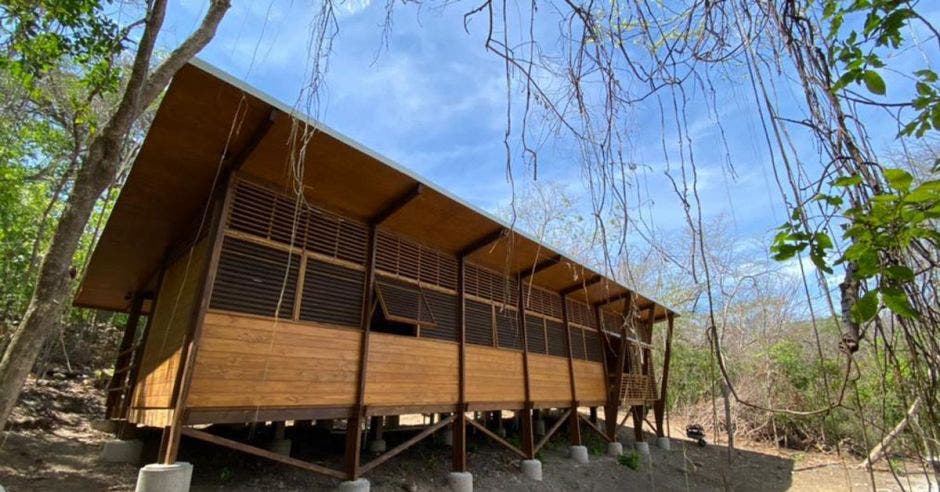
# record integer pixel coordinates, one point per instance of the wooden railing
(120, 387)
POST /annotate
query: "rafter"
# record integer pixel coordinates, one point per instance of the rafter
(397, 204)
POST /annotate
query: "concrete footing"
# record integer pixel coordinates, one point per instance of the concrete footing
(280, 446)
(579, 454)
(104, 425)
(357, 485)
(663, 443)
(376, 446)
(118, 451)
(532, 469)
(165, 478)
(448, 437)
(539, 427)
(614, 449)
(642, 448)
(460, 481)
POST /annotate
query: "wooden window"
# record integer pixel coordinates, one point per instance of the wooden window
(255, 279)
(555, 332)
(261, 212)
(581, 313)
(612, 321)
(542, 301)
(535, 334)
(488, 284)
(577, 343)
(444, 308)
(331, 294)
(411, 260)
(594, 348)
(507, 328)
(403, 303)
(479, 318)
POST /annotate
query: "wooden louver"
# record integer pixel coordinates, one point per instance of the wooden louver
(577, 343)
(261, 212)
(507, 329)
(255, 279)
(403, 303)
(535, 334)
(555, 333)
(487, 284)
(331, 294)
(479, 320)
(580, 313)
(444, 309)
(411, 260)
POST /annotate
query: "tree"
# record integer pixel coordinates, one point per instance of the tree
(44, 34)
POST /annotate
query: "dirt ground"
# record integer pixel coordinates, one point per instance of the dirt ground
(53, 447)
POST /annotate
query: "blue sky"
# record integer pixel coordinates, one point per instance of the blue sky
(435, 101)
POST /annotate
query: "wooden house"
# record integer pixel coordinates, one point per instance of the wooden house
(288, 275)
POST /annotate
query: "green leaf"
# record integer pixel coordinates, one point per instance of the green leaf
(844, 181)
(900, 273)
(899, 179)
(896, 300)
(865, 308)
(867, 263)
(873, 82)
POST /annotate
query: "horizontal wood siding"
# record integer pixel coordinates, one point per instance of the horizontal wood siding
(549, 380)
(247, 361)
(410, 371)
(589, 381)
(172, 319)
(494, 375)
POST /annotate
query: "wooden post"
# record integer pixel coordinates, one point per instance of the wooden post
(119, 378)
(659, 408)
(528, 436)
(354, 422)
(459, 425)
(219, 211)
(574, 424)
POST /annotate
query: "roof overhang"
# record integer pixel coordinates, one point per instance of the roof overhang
(207, 116)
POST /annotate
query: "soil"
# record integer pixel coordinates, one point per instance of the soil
(52, 446)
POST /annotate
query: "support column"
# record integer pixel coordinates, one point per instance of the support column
(574, 424)
(527, 436)
(376, 443)
(119, 382)
(354, 422)
(659, 408)
(459, 425)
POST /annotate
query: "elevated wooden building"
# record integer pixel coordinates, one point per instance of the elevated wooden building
(342, 288)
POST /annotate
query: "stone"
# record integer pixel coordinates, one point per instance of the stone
(376, 446)
(532, 469)
(358, 485)
(158, 477)
(663, 443)
(118, 451)
(614, 449)
(643, 448)
(579, 454)
(460, 481)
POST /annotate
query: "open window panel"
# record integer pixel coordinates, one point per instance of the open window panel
(402, 308)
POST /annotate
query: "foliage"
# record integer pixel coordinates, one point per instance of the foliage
(858, 53)
(40, 35)
(630, 459)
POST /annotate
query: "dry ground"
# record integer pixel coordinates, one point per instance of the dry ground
(52, 446)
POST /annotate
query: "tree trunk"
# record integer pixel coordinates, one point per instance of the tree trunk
(51, 297)
(878, 451)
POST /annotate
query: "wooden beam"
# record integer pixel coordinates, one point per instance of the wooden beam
(573, 425)
(528, 435)
(391, 453)
(548, 435)
(595, 428)
(397, 204)
(484, 241)
(264, 453)
(354, 422)
(584, 284)
(492, 435)
(459, 460)
(119, 377)
(218, 211)
(659, 408)
(234, 162)
(540, 266)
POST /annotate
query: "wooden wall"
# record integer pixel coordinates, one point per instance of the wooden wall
(549, 379)
(589, 381)
(248, 361)
(494, 375)
(411, 371)
(173, 317)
